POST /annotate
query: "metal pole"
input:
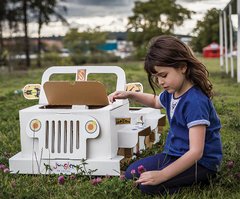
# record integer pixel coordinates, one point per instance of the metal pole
(231, 40)
(225, 40)
(221, 40)
(238, 42)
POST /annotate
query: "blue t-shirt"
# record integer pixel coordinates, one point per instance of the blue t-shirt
(191, 109)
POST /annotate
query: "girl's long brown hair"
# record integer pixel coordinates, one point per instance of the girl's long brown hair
(171, 52)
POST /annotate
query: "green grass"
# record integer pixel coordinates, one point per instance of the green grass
(226, 101)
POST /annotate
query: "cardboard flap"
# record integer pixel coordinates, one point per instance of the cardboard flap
(90, 93)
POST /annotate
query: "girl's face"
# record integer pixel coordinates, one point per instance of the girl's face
(172, 80)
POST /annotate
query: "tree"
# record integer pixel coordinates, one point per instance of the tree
(83, 46)
(8, 15)
(44, 10)
(206, 30)
(8, 18)
(13, 12)
(84, 42)
(3, 13)
(152, 18)
(25, 5)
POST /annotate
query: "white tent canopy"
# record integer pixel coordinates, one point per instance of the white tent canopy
(226, 35)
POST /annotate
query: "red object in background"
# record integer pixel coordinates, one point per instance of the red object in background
(212, 50)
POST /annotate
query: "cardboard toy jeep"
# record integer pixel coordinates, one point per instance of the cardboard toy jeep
(74, 125)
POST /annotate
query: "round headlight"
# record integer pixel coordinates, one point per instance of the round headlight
(35, 125)
(91, 126)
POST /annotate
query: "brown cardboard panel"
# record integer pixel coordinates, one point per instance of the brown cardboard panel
(76, 93)
(145, 132)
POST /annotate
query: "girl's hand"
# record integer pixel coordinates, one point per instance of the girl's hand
(118, 95)
(151, 178)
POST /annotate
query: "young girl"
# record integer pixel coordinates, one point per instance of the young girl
(193, 151)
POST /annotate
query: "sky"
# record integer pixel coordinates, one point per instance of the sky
(112, 15)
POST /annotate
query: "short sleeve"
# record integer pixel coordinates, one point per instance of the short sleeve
(197, 112)
(163, 99)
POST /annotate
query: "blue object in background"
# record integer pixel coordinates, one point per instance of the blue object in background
(107, 46)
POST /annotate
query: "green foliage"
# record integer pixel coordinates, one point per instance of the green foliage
(54, 59)
(10, 16)
(16, 12)
(153, 18)
(226, 101)
(43, 10)
(83, 46)
(84, 42)
(79, 59)
(207, 30)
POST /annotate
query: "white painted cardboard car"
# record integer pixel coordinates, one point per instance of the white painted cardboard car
(59, 136)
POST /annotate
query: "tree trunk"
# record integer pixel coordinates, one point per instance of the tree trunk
(39, 40)
(26, 39)
(1, 39)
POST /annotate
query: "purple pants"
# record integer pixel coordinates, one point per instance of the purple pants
(194, 175)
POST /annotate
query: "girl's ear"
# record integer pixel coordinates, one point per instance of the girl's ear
(183, 68)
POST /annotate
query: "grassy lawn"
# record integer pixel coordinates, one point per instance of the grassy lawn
(226, 101)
